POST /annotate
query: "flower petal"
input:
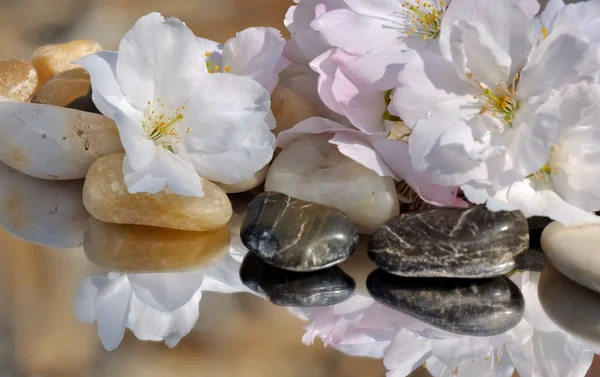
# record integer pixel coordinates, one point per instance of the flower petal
(112, 309)
(314, 125)
(356, 145)
(84, 298)
(148, 323)
(255, 53)
(159, 58)
(166, 292)
(556, 62)
(406, 353)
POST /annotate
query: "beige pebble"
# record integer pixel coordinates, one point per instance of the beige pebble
(143, 249)
(289, 108)
(247, 184)
(51, 59)
(18, 80)
(70, 89)
(106, 197)
(50, 142)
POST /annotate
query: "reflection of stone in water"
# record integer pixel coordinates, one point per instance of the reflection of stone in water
(326, 287)
(46, 212)
(482, 307)
(572, 307)
(144, 249)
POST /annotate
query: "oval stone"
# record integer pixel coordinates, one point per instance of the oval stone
(106, 197)
(70, 89)
(451, 242)
(48, 213)
(52, 59)
(574, 252)
(478, 307)
(312, 169)
(247, 184)
(573, 308)
(326, 287)
(51, 142)
(144, 249)
(289, 108)
(297, 235)
(18, 80)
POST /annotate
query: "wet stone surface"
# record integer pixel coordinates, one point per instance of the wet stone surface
(450, 242)
(297, 235)
(326, 287)
(478, 307)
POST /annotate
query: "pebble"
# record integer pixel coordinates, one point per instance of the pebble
(289, 108)
(573, 308)
(49, 213)
(52, 142)
(247, 184)
(451, 242)
(326, 287)
(144, 249)
(297, 235)
(106, 197)
(18, 80)
(574, 252)
(481, 307)
(312, 169)
(71, 89)
(52, 59)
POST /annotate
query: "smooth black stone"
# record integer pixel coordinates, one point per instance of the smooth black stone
(297, 235)
(475, 307)
(537, 224)
(533, 260)
(450, 242)
(326, 287)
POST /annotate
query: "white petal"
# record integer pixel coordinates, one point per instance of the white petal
(148, 323)
(159, 58)
(112, 309)
(229, 138)
(224, 277)
(84, 298)
(166, 292)
(313, 125)
(378, 71)
(456, 351)
(505, 21)
(534, 313)
(554, 63)
(406, 353)
(426, 81)
(255, 53)
(582, 15)
(356, 145)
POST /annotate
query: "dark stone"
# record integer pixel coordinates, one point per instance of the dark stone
(297, 235)
(533, 260)
(326, 287)
(450, 242)
(475, 307)
(537, 224)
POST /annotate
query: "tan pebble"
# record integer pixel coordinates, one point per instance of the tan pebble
(144, 249)
(70, 89)
(162, 209)
(247, 184)
(18, 80)
(51, 59)
(289, 108)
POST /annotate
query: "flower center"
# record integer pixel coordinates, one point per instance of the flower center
(160, 127)
(501, 102)
(213, 68)
(544, 174)
(426, 17)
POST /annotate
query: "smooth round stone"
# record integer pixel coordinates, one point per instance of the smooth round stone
(143, 249)
(479, 307)
(574, 252)
(247, 184)
(326, 287)
(312, 169)
(573, 308)
(52, 59)
(51, 142)
(48, 213)
(70, 89)
(106, 197)
(289, 108)
(451, 242)
(18, 80)
(297, 235)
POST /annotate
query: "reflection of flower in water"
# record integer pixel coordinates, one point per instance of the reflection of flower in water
(154, 306)
(535, 347)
